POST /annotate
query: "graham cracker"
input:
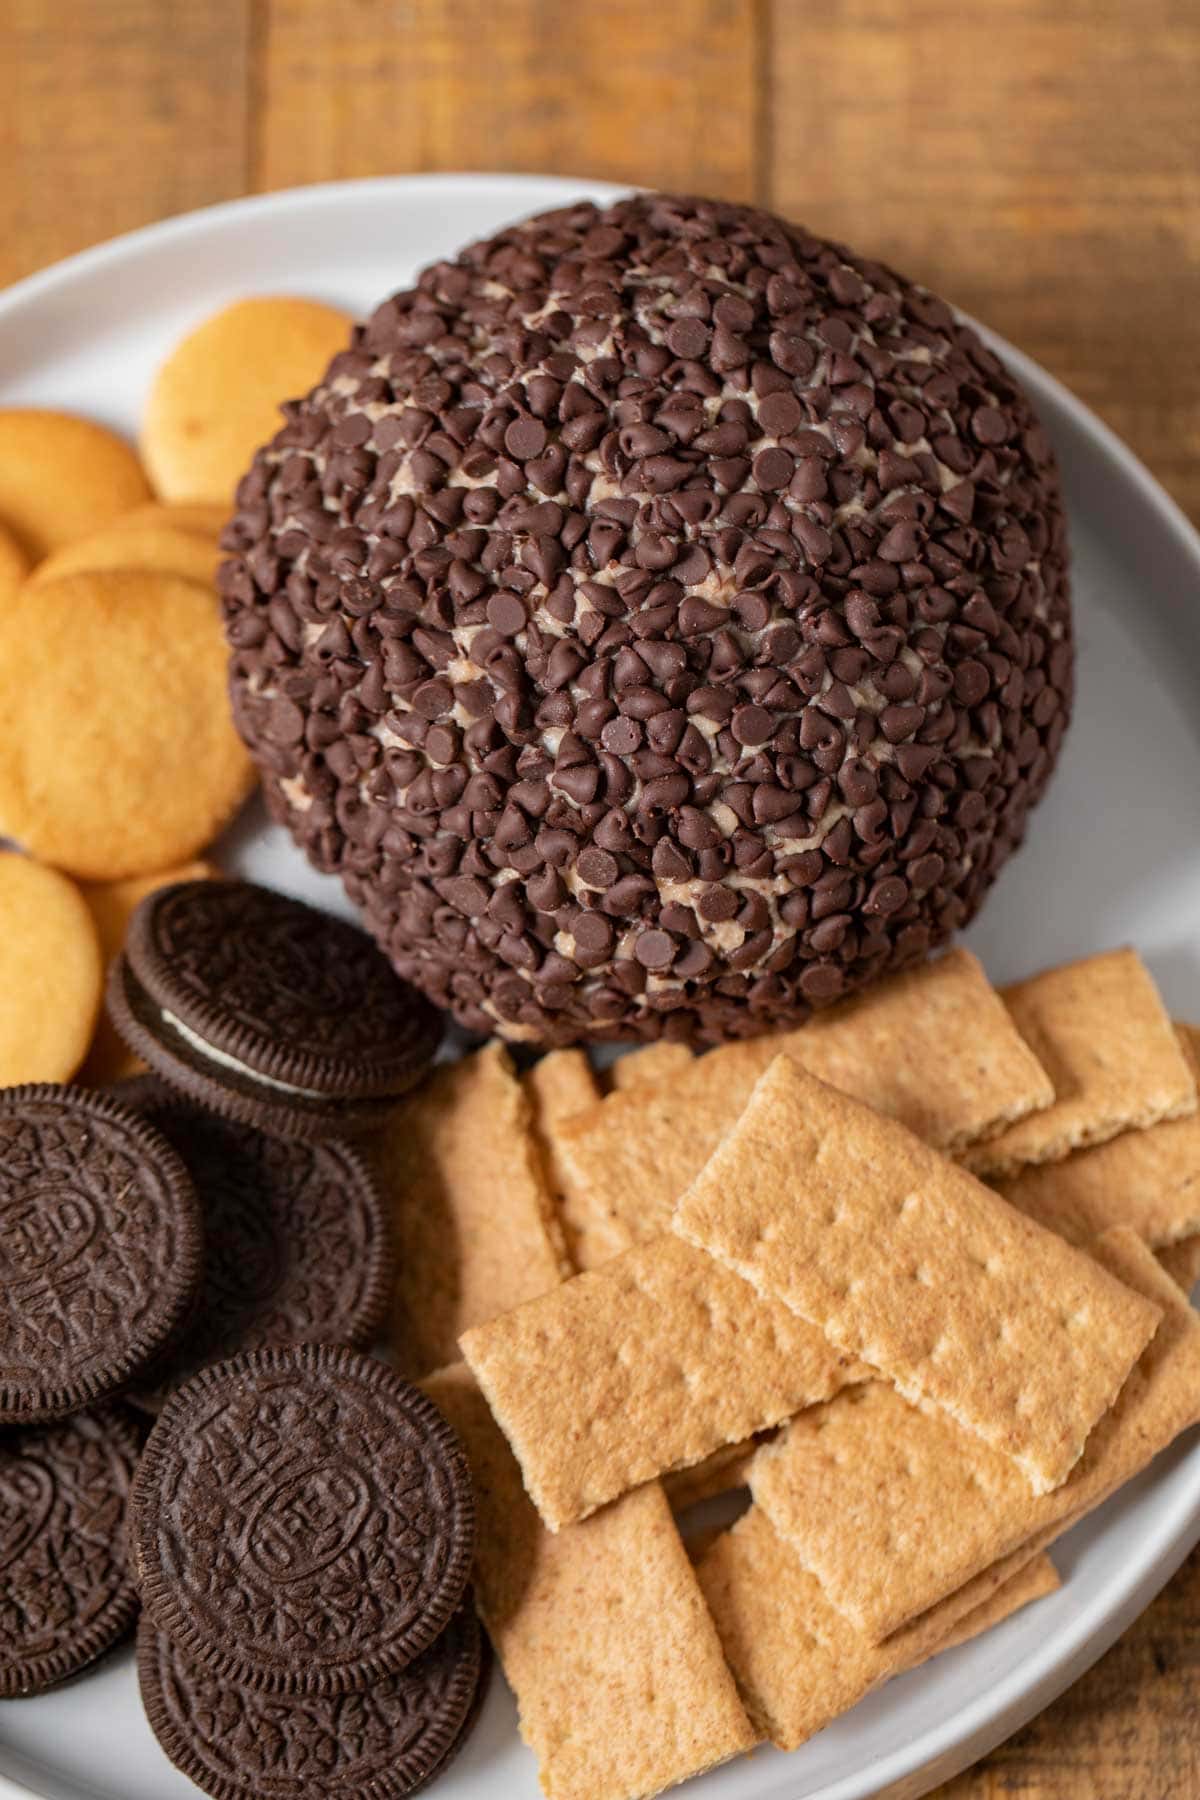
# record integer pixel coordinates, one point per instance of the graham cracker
(1038, 1578)
(920, 1506)
(602, 1631)
(905, 1260)
(1148, 1180)
(722, 1472)
(799, 1663)
(933, 1047)
(1101, 1032)
(656, 1062)
(646, 1365)
(471, 1210)
(560, 1085)
(1182, 1262)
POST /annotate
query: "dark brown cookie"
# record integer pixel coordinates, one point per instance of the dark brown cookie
(100, 1249)
(268, 1010)
(302, 1520)
(382, 1744)
(66, 1594)
(296, 1243)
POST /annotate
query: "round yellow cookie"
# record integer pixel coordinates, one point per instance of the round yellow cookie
(217, 396)
(111, 904)
(51, 973)
(118, 753)
(62, 478)
(196, 516)
(148, 546)
(14, 565)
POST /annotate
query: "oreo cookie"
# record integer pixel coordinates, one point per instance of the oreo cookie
(267, 1010)
(301, 1520)
(382, 1744)
(296, 1243)
(100, 1249)
(66, 1595)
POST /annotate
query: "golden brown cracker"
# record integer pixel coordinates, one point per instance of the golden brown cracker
(1038, 1578)
(62, 477)
(559, 1085)
(1182, 1262)
(111, 904)
(1148, 1180)
(933, 1047)
(905, 1260)
(646, 1365)
(1102, 1034)
(655, 1062)
(798, 1662)
(921, 1506)
(118, 753)
(722, 1472)
(218, 395)
(165, 547)
(50, 973)
(15, 564)
(470, 1207)
(601, 1629)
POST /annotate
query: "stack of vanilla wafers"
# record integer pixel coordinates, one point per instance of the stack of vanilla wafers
(895, 1272)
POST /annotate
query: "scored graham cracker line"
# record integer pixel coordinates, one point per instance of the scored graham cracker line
(798, 1663)
(471, 1210)
(643, 1366)
(657, 1062)
(1103, 1035)
(560, 1085)
(905, 1260)
(934, 1048)
(922, 1506)
(621, 1685)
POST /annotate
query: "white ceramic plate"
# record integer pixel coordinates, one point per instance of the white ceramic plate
(1113, 855)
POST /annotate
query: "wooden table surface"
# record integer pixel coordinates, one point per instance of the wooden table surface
(1037, 162)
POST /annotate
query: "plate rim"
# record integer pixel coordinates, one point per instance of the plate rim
(1004, 1703)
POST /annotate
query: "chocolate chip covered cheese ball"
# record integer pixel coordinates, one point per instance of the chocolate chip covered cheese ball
(659, 618)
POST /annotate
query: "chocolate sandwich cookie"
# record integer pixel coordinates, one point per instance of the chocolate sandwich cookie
(296, 1243)
(301, 1520)
(382, 1744)
(101, 1249)
(268, 1010)
(66, 1594)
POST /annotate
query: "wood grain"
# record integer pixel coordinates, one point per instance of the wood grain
(114, 113)
(614, 91)
(1040, 164)
(1126, 1731)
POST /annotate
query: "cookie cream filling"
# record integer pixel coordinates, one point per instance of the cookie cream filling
(223, 1058)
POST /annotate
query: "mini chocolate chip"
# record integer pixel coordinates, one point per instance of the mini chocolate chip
(525, 438)
(654, 949)
(597, 868)
(821, 982)
(752, 725)
(773, 469)
(687, 338)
